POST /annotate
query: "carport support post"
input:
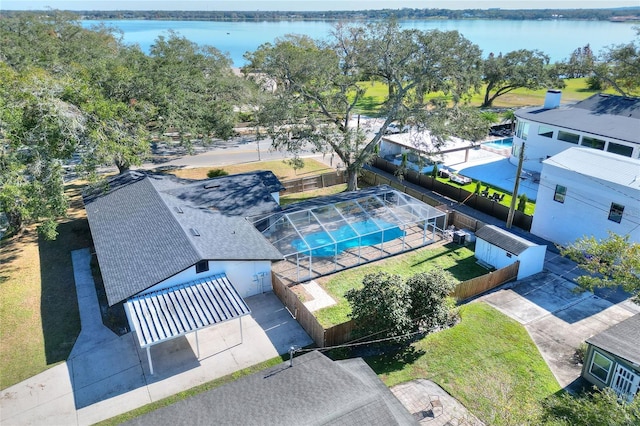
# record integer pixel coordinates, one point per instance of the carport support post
(197, 345)
(241, 337)
(149, 359)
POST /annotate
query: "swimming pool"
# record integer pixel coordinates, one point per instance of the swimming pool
(499, 143)
(322, 244)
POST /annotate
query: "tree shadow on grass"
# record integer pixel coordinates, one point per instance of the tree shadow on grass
(393, 360)
(59, 303)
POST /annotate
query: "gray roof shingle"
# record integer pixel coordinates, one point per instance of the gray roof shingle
(504, 239)
(143, 235)
(610, 116)
(315, 391)
(622, 339)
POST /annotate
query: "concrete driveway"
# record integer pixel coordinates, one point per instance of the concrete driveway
(557, 316)
(107, 375)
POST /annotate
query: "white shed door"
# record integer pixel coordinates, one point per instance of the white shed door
(625, 383)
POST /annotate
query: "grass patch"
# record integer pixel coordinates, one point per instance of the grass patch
(280, 168)
(286, 199)
(575, 90)
(39, 319)
(488, 362)
(122, 418)
(471, 187)
(459, 261)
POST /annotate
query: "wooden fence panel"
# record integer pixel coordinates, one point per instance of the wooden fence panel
(309, 183)
(478, 285)
(300, 312)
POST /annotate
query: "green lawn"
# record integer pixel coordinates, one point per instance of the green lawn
(575, 90)
(459, 261)
(471, 187)
(488, 362)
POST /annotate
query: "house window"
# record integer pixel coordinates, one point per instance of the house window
(600, 366)
(561, 192)
(547, 132)
(202, 266)
(615, 212)
(619, 149)
(523, 130)
(568, 137)
(592, 142)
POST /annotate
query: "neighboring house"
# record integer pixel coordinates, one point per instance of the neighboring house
(179, 253)
(313, 391)
(587, 192)
(601, 122)
(613, 358)
(500, 248)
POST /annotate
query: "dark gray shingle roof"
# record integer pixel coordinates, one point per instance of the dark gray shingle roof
(503, 239)
(315, 391)
(611, 116)
(622, 339)
(143, 235)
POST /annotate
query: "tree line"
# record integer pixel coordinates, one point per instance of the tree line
(67, 92)
(403, 13)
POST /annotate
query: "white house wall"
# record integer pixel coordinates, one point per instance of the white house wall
(586, 207)
(539, 148)
(248, 277)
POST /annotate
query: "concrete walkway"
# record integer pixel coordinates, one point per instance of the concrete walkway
(321, 299)
(107, 375)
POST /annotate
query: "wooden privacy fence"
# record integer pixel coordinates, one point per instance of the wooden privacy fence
(309, 183)
(486, 282)
(341, 333)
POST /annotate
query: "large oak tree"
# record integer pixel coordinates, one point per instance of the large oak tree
(319, 84)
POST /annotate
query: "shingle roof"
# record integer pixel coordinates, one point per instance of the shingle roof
(611, 116)
(622, 339)
(598, 164)
(504, 239)
(315, 391)
(143, 234)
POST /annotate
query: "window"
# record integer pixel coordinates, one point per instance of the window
(568, 137)
(619, 149)
(600, 366)
(615, 212)
(523, 130)
(547, 132)
(561, 192)
(592, 142)
(202, 266)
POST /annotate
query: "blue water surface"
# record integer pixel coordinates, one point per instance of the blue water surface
(322, 244)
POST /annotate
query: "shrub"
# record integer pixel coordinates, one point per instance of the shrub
(522, 202)
(217, 172)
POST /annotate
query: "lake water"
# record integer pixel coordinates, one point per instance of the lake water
(555, 38)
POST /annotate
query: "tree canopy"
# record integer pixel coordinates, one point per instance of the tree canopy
(522, 68)
(320, 83)
(70, 92)
(613, 261)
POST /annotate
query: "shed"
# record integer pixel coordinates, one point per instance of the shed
(500, 248)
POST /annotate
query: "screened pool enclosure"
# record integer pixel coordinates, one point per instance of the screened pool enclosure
(324, 235)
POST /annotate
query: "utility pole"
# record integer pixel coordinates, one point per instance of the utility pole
(512, 207)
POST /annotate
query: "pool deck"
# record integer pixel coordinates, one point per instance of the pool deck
(491, 168)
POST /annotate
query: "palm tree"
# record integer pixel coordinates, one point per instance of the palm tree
(511, 116)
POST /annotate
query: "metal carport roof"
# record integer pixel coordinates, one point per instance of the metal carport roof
(175, 311)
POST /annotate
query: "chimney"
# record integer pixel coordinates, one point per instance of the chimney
(552, 99)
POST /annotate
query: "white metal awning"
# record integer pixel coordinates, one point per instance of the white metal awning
(175, 311)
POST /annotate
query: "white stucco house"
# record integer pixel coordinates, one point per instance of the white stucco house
(179, 254)
(601, 122)
(588, 192)
(500, 248)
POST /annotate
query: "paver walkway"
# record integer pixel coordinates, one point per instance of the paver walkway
(321, 299)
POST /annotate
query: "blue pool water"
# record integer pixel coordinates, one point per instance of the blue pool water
(500, 143)
(321, 243)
